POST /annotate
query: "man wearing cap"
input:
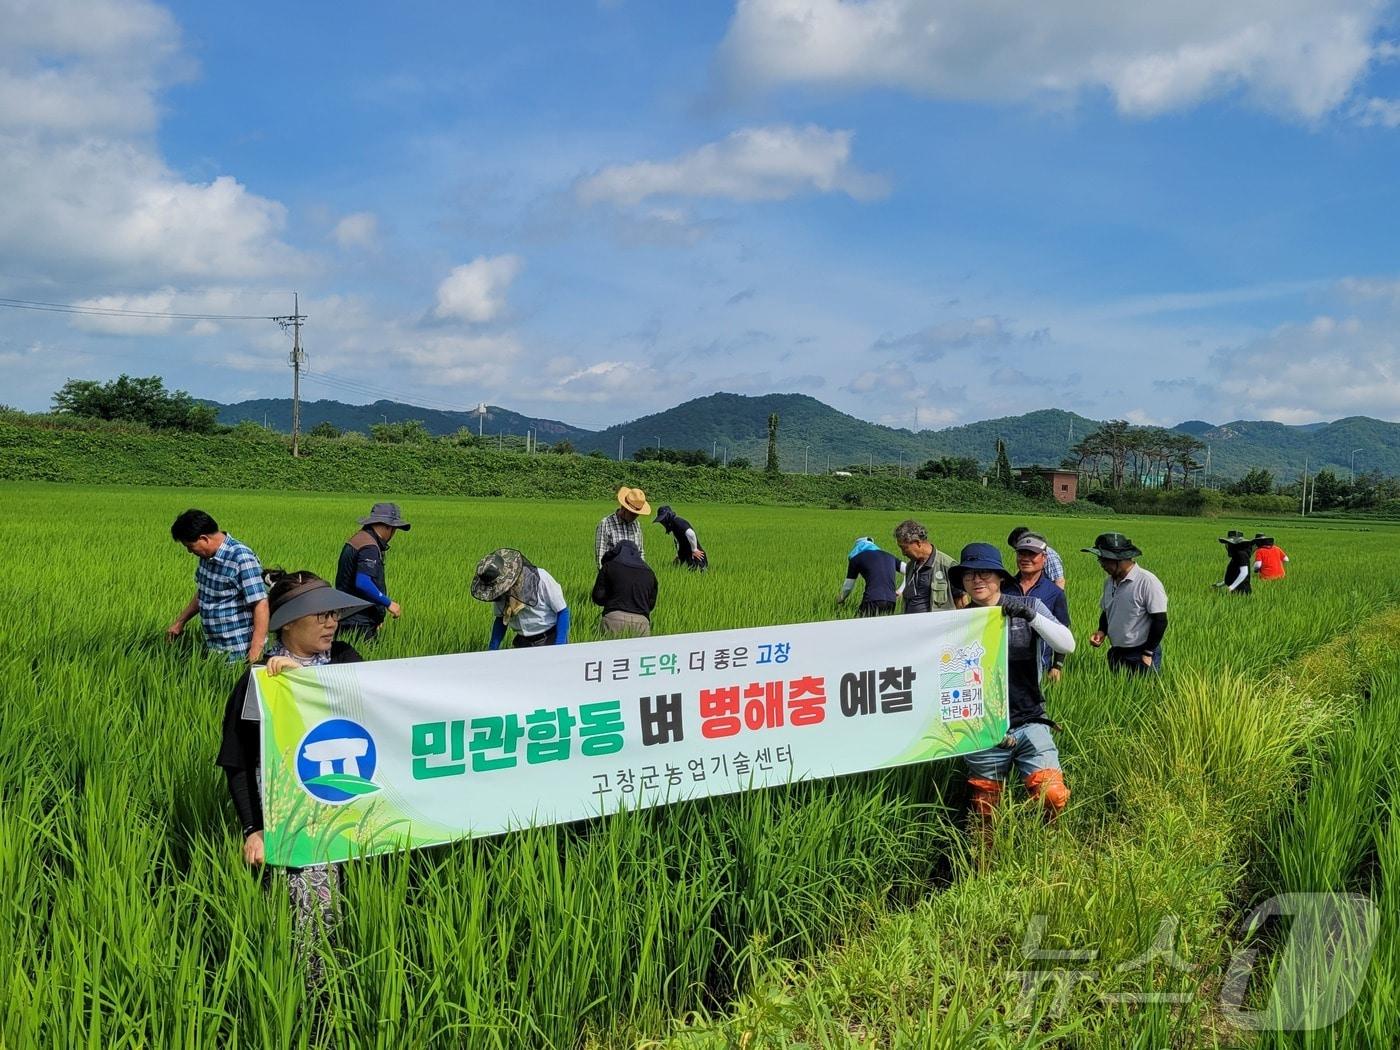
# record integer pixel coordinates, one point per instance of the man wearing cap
(688, 552)
(1054, 564)
(1033, 581)
(926, 586)
(1028, 745)
(361, 570)
(1133, 608)
(527, 599)
(622, 524)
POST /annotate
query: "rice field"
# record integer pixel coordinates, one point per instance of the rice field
(846, 912)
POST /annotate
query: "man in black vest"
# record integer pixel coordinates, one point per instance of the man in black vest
(361, 570)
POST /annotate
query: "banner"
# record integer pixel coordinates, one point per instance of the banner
(359, 759)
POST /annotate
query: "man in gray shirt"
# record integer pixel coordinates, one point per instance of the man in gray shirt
(1133, 608)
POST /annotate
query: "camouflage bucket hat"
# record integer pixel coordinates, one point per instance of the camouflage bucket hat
(497, 573)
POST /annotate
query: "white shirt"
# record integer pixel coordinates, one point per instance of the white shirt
(536, 619)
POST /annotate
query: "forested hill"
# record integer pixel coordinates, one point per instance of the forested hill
(815, 433)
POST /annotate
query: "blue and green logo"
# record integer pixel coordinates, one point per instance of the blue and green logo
(335, 761)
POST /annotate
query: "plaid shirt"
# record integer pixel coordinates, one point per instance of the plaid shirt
(1054, 565)
(228, 584)
(611, 529)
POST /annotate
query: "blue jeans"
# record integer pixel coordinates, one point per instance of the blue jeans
(1035, 750)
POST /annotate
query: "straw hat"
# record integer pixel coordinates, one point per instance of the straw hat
(633, 501)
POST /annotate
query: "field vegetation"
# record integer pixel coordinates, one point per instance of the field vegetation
(838, 913)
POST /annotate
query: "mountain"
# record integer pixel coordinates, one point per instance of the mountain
(276, 412)
(811, 434)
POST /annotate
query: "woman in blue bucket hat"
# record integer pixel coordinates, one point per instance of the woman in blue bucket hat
(1029, 745)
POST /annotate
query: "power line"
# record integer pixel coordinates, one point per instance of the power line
(112, 311)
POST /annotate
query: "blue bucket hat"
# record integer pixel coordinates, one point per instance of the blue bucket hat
(979, 557)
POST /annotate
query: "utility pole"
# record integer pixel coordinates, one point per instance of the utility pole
(714, 453)
(298, 362)
(619, 448)
(1352, 470)
(480, 417)
(658, 442)
(1304, 511)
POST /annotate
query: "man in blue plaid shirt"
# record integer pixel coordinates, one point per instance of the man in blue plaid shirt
(230, 598)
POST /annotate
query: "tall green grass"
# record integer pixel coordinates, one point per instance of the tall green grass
(127, 919)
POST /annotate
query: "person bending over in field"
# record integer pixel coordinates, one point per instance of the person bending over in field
(878, 569)
(229, 597)
(1237, 551)
(1269, 559)
(527, 599)
(1132, 609)
(626, 589)
(1029, 745)
(688, 552)
(305, 613)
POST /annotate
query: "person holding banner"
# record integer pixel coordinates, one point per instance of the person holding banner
(305, 612)
(1029, 745)
(527, 599)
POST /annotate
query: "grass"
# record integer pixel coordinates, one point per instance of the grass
(836, 912)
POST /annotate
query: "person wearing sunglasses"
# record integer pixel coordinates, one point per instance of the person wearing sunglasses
(305, 612)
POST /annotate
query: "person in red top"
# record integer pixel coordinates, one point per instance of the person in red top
(1269, 560)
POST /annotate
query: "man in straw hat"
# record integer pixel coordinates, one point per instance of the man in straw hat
(527, 599)
(1028, 746)
(622, 524)
(361, 570)
(1132, 609)
(1238, 548)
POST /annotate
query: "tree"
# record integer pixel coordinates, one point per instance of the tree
(962, 468)
(1327, 490)
(562, 447)
(1257, 482)
(1003, 476)
(408, 432)
(772, 465)
(741, 463)
(135, 400)
(325, 429)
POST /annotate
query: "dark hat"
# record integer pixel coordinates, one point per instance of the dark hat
(1235, 536)
(979, 557)
(664, 514)
(313, 596)
(1114, 546)
(497, 573)
(386, 514)
(1262, 540)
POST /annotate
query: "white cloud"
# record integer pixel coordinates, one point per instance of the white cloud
(982, 333)
(476, 292)
(633, 387)
(358, 230)
(88, 198)
(1378, 112)
(1297, 57)
(1323, 369)
(753, 164)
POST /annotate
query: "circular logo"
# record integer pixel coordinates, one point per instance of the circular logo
(335, 761)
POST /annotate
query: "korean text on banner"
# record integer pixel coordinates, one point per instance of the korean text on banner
(359, 759)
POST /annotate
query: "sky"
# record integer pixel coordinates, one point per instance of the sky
(922, 212)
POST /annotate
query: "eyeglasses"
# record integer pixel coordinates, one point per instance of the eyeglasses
(329, 616)
(980, 574)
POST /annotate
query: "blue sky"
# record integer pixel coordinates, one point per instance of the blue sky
(907, 208)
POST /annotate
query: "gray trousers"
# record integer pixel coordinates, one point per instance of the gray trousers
(631, 625)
